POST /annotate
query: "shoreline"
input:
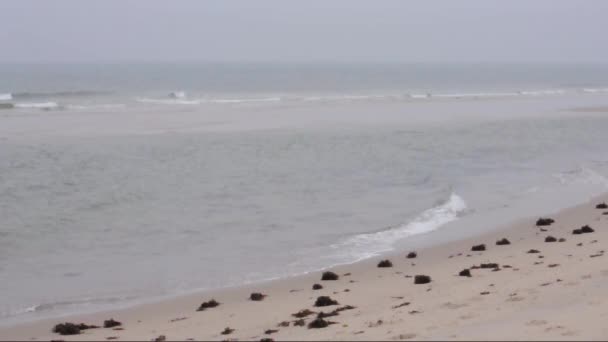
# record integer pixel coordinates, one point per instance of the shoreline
(176, 318)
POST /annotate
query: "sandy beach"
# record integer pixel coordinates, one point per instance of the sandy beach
(540, 289)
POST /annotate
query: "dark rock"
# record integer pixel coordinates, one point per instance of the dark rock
(544, 222)
(465, 273)
(550, 239)
(317, 287)
(489, 265)
(601, 206)
(67, 329)
(478, 248)
(256, 296)
(577, 232)
(111, 323)
(503, 242)
(422, 279)
(299, 323)
(283, 324)
(303, 313)
(587, 229)
(411, 255)
(160, 338)
(319, 323)
(485, 293)
(385, 263)
(553, 265)
(207, 305)
(270, 331)
(561, 240)
(227, 331)
(325, 301)
(266, 339)
(533, 251)
(329, 276)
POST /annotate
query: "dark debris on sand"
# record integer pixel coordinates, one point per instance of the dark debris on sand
(329, 276)
(385, 263)
(550, 239)
(227, 331)
(422, 279)
(319, 323)
(317, 287)
(478, 248)
(303, 313)
(411, 255)
(602, 205)
(325, 301)
(111, 323)
(207, 305)
(544, 222)
(533, 251)
(503, 242)
(256, 297)
(71, 328)
(465, 273)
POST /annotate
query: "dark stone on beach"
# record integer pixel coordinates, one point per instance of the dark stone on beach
(533, 251)
(465, 273)
(329, 276)
(270, 331)
(266, 339)
(503, 242)
(489, 265)
(553, 265)
(207, 305)
(283, 324)
(67, 329)
(111, 323)
(544, 222)
(303, 313)
(385, 263)
(602, 205)
(256, 296)
(227, 331)
(422, 279)
(478, 248)
(299, 322)
(318, 324)
(605, 213)
(71, 328)
(160, 338)
(587, 229)
(550, 239)
(561, 240)
(317, 287)
(484, 293)
(411, 255)
(577, 232)
(325, 301)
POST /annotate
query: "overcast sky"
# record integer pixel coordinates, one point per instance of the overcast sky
(304, 30)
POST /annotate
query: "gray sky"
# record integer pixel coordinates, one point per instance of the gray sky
(307, 30)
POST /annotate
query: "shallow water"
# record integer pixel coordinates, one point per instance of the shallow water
(110, 206)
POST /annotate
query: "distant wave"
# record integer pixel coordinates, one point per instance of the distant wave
(38, 105)
(96, 106)
(595, 90)
(75, 93)
(371, 244)
(168, 101)
(543, 92)
(6, 97)
(475, 95)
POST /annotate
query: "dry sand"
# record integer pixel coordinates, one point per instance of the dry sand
(557, 294)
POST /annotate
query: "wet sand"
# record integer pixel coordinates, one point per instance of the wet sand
(557, 293)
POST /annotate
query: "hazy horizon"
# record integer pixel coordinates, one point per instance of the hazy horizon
(271, 31)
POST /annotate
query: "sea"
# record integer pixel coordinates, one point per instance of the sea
(128, 183)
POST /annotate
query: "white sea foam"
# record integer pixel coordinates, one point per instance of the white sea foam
(96, 106)
(6, 97)
(595, 90)
(372, 244)
(38, 105)
(168, 101)
(543, 92)
(475, 95)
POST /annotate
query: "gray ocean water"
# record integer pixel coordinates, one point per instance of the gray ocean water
(126, 183)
